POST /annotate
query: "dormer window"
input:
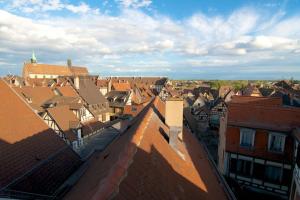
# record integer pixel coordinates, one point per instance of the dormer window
(247, 137)
(276, 142)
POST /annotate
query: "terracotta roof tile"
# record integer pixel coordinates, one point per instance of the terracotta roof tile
(142, 165)
(121, 86)
(38, 95)
(263, 101)
(64, 117)
(68, 91)
(34, 68)
(263, 115)
(27, 144)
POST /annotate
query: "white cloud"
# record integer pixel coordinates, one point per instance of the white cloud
(99, 39)
(135, 3)
(40, 6)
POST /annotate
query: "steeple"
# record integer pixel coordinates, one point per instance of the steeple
(33, 58)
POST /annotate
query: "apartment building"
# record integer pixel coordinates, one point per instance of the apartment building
(256, 144)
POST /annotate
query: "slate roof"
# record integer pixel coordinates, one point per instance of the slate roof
(117, 98)
(33, 158)
(89, 92)
(142, 165)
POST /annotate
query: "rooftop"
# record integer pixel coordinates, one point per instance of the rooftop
(135, 163)
(30, 149)
(264, 113)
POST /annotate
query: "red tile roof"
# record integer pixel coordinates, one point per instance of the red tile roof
(264, 116)
(64, 117)
(121, 86)
(26, 146)
(38, 95)
(68, 91)
(142, 165)
(263, 101)
(34, 68)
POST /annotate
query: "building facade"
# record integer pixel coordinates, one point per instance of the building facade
(256, 147)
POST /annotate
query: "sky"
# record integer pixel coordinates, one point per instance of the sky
(181, 39)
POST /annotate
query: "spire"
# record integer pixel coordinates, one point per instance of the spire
(33, 58)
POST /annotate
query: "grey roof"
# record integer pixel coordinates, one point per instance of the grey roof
(89, 92)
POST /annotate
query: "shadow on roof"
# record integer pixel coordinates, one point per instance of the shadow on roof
(36, 166)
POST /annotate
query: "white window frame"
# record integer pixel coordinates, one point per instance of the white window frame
(269, 141)
(241, 136)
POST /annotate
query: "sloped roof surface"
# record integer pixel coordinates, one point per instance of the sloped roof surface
(28, 148)
(142, 165)
(121, 86)
(34, 68)
(64, 117)
(89, 91)
(266, 114)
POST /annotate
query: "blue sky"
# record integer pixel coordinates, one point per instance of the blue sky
(184, 39)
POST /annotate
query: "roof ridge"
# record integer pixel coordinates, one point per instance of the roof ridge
(119, 171)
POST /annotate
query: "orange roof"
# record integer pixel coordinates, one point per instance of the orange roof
(64, 117)
(264, 116)
(17, 120)
(102, 83)
(26, 144)
(34, 68)
(38, 95)
(121, 86)
(160, 106)
(263, 101)
(67, 91)
(142, 165)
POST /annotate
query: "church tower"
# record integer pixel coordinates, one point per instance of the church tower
(33, 58)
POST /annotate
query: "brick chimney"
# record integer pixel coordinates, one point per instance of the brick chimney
(174, 119)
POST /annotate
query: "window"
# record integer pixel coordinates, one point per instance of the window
(232, 167)
(276, 142)
(133, 109)
(273, 174)
(258, 171)
(243, 167)
(247, 137)
(287, 175)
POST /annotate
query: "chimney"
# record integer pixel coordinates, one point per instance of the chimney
(109, 86)
(69, 63)
(76, 82)
(174, 119)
